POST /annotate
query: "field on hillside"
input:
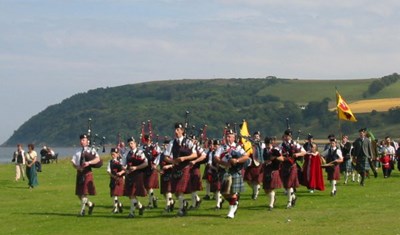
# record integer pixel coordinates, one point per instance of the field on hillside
(52, 208)
(380, 105)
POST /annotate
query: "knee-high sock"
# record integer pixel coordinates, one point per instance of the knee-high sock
(168, 198)
(151, 196)
(133, 205)
(255, 189)
(84, 200)
(290, 194)
(333, 185)
(218, 197)
(195, 198)
(271, 198)
(208, 186)
(181, 201)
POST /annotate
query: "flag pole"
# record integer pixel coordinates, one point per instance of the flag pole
(337, 112)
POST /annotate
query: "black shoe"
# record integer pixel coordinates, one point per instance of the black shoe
(141, 210)
(221, 202)
(207, 197)
(182, 213)
(131, 215)
(91, 209)
(270, 208)
(115, 210)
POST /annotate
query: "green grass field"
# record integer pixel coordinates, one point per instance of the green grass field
(52, 208)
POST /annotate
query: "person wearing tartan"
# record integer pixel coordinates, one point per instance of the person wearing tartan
(333, 157)
(84, 177)
(195, 175)
(271, 166)
(290, 150)
(253, 174)
(232, 157)
(135, 162)
(181, 151)
(165, 179)
(215, 174)
(152, 152)
(116, 171)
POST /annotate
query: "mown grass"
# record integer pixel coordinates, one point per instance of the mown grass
(52, 208)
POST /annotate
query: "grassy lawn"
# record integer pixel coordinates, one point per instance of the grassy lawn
(52, 208)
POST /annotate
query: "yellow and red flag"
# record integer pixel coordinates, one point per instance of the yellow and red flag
(343, 109)
(245, 135)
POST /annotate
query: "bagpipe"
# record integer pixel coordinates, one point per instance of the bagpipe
(91, 155)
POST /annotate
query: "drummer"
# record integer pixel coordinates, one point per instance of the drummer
(333, 157)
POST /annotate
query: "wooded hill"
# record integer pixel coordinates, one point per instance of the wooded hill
(264, 102)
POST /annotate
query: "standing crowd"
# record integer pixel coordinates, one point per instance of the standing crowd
(174, 168)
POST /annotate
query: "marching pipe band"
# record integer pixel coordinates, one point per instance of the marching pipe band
(174, 168)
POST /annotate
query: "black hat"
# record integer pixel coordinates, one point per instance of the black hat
(257, 133)
(130, 139)
(362, 130)
(216, 142)
(146, 137)
(114, 150)
(268, 140)
(166, 140)
(230, 131)
(310, 136)
(83, 136)
(332, 139)
(178, 125)
(331, 136)
(288, 132)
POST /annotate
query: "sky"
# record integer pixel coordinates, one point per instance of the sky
(53, 49)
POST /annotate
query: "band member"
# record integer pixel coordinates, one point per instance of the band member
(312, 171)
(308, 145)
(82, 161)
(195, 175)
(346, 167)
(135, 163)
(207, 169)
(116, 171)
(289, 175)
(362, 152)
(165, 178)
(152, 153)
(253, 173)
(272, 162)
(232, 156)
(181, 151)
(333, 156)
(215, 174)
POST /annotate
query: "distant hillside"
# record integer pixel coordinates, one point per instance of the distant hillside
(264, 102)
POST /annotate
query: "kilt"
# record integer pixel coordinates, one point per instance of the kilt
(346, 166)
(151, 180)
(195, 179)
(333, 172)
(253, 174)
(272, 179)
(84, 183)
(165, 179)
(215, 180)
(236, 184)
(289, 175)
(181, 183)
(117, 186)
(134, 184)
(362, 164)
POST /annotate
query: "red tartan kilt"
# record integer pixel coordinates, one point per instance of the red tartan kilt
(134, 184)
(152, 180)
(333, 173)
(289, 177)
(205, 172)
(118, 189)
(182, 184)
(195, 180)
(85, 187)
(273, 181)
(165, 183)
(253, 174)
